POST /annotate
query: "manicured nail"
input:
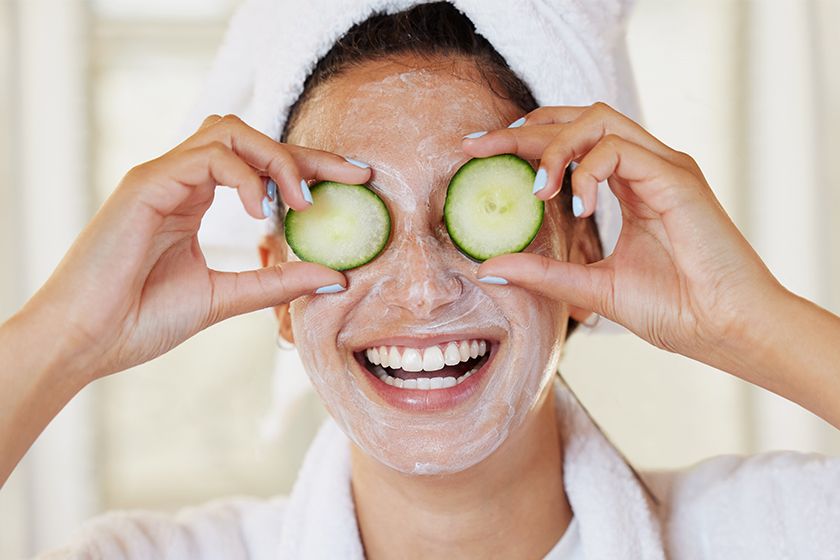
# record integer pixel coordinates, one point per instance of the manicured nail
(271, 189)
(266, 207)
(493, 280)
(473, 135)
(540, 180)
(517, 123)
(304, 189)
(331, 289)
(577, 206)
(356, 162)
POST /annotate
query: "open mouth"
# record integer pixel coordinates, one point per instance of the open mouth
(438, 366)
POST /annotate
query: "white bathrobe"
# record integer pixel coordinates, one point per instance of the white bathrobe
(772, 506)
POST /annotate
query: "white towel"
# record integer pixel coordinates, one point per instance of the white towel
(569, 52)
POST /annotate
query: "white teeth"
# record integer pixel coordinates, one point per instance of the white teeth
(464, 349)
(411, 360)
(373, 355)
(383, 356)
(474, 349)
(452, 356)
(482, 347)
(394, 360)
(432, 359)
(425, 383)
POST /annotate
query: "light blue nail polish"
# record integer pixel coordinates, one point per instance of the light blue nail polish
(573, 165)
(474, 135)
(356, 162)
(266, 207)
(331, 289)
(540, 180)
(577, 206)
(517, 123)
(304, 189)
(498, 280)
(271, 189)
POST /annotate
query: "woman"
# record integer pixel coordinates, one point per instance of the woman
(504, 464)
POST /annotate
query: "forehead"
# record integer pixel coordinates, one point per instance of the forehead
(405, 117)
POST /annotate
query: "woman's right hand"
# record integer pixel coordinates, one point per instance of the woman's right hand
(135, 283)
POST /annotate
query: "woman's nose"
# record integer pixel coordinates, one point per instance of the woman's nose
(420, 282)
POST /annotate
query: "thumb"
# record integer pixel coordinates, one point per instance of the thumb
(585, 286)
(235, 293)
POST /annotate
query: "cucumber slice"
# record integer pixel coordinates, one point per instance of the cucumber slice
(346, 226)
(490, 209)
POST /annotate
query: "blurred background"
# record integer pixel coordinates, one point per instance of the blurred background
(89, 88)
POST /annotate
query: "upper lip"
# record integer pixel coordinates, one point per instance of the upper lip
(422, 341)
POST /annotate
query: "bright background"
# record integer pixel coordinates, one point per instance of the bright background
(90, 88)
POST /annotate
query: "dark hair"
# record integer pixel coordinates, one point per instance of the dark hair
(430, 31)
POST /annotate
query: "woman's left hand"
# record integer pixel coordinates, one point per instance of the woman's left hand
(682, 276)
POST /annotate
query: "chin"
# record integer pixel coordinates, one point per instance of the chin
(442, 404)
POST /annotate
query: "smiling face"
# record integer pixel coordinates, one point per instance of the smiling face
(419, 304)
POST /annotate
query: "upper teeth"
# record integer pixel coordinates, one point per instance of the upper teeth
(432, 358)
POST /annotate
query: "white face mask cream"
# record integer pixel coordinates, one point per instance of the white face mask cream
(417, 314)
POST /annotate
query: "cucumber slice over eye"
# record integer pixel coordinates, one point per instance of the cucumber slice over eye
(490, 209)
(346, 226)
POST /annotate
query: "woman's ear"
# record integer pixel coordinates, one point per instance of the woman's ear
(585, 249)
(274, 251)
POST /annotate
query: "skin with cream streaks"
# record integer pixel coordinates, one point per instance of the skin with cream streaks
(421, 285)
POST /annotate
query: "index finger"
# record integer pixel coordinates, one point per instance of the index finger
(290, 166)
(528, 142)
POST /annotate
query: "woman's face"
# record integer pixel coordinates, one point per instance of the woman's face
(407, 119)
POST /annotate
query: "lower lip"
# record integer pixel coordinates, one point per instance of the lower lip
(429, 400)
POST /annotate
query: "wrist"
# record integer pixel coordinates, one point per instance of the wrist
(44, 347)
(788, 346)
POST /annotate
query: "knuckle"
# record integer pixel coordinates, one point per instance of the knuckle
(231, 120)
(216, 149)
(686, 160)
(139, 174)
(612, 141)
(210, 120)
(545, 270)
(601, 107)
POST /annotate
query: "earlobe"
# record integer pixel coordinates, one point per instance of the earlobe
(284, 322)
(272, 251)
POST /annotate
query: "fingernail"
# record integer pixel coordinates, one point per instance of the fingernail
(540, 180)
(517, 123)
(577, 206)
(356, 162)
(330, 289)
(493, 280)
(473, 135)
(271, 189)
(304, 189)
(266, 207)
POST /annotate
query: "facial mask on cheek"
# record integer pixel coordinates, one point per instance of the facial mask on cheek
(378, 305)
(420, 285)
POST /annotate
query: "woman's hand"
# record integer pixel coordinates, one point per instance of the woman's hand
(135, 283)
(682, 276)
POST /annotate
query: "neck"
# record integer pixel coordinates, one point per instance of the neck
(510, 505)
